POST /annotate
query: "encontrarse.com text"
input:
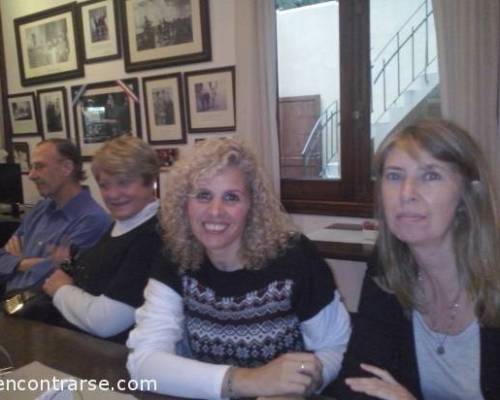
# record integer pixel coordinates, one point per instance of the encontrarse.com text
(57, 384)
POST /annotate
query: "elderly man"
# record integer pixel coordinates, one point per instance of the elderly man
(67, 214)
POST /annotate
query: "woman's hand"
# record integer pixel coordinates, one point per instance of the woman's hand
(291, 374)
(55, 281)
(384, 386)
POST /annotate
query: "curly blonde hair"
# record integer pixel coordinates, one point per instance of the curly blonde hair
(475, 228)
(268, 230)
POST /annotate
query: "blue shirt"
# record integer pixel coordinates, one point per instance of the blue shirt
(81, 221)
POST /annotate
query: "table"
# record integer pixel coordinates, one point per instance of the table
(343, 242)
(72, 352)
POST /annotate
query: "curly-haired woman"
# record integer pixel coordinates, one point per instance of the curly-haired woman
(253, 301)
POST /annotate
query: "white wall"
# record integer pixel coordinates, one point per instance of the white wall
(223, 54)
(308, 51)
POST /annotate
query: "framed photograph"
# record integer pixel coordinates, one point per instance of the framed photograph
(22, 156)
(211, 100)
(48, 45)
(164, 106)
(23, 114)
(162, 33)
(53, 113)
(100, 30)
(104, 111)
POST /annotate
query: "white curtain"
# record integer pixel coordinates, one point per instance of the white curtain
(468, 36)
(256, 81)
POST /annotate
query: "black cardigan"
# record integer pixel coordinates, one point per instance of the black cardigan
(383, 336)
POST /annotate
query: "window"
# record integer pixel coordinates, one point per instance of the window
(340, 85)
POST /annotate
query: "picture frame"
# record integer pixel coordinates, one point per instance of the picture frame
(103, 111)
(23, 112)
(48, 45)
(100, 27)
(53, 112)
(211, 100)
(157, 34)
(22, 156)
(164, 109)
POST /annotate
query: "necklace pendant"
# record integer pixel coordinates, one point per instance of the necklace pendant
(440, 350)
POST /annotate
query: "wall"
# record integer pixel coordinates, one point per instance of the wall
(307, 63)
(223, 54)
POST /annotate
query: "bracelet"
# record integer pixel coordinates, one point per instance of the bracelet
(227, 384)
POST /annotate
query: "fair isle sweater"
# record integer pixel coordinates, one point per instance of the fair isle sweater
(244, 318)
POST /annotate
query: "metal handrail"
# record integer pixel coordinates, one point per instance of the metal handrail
(396, 56)
(424, 3)
(325, 128)
(318, 126)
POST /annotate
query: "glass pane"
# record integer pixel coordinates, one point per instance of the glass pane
(308, 81)
(405, 80)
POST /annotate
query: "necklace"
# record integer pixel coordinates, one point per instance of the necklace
(453, 310)
(440, 350)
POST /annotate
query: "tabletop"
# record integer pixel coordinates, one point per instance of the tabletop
(74, 353)
(71, 352)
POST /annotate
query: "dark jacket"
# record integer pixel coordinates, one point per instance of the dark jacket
(383, 336)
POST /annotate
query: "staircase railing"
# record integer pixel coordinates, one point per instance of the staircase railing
(323, 140)
(394, 58)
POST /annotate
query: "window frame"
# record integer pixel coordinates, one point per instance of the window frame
(352, 195)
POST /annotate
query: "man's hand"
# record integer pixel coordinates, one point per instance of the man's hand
(60, 253)
(26, 263)
(14, 246)
(57, 280)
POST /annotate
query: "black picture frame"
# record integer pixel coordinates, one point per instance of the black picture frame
(164, 109)
(103, 111)
(23, 113)
(211, 100)
(48, 45)
(156, 38)
(101, 30)
(53, 112)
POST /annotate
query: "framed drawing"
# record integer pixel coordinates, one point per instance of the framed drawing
(23, 114)
(211, 100)
(22, 156)
(53, 113)
(103, 111)
(100, 30)
(164, 106)
(48, 45)
(159, 33)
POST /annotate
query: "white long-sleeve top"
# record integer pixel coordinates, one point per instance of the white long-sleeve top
(159, 331)
(101, 315)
